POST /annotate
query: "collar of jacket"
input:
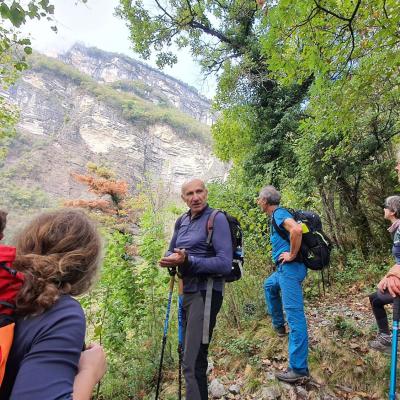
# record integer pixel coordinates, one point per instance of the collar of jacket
(189, 213)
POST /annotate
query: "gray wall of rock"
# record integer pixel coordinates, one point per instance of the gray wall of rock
(63, 126)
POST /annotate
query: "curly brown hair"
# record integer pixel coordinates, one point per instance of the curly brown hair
(3, 221)
(59, 254)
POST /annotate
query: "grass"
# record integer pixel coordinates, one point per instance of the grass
(339, 358)
(334, 363)
(142, 90)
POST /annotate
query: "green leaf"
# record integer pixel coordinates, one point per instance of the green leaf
(4, 11)
(17, 15)
(97, 331)
(24, 42)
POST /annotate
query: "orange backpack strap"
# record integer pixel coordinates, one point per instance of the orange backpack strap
(6, 338)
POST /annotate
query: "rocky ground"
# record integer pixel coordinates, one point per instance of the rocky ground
(340, 326)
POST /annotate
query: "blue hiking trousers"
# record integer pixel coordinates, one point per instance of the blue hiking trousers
(284, 286)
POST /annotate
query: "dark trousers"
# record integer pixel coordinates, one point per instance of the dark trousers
(378, 301)
(195, 352)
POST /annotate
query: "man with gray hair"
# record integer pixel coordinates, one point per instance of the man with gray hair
(283, 289)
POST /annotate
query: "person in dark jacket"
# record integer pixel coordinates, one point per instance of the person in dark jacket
(391, 281)
(58, 253)
(199, 265)
(383, 296)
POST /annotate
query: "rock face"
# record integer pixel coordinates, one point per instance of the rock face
(111, 67)
(110, 110)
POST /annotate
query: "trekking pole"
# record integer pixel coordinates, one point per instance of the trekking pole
(180, 336)
(393, 366)
(172, 272)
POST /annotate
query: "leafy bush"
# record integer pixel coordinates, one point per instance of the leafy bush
(17, 196)
(126, 310)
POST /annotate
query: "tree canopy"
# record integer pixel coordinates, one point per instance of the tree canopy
(307, 93)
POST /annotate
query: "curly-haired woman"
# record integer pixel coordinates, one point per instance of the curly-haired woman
(58, 253)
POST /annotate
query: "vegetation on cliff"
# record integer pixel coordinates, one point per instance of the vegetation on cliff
(130, 100)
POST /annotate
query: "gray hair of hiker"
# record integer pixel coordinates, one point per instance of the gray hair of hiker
(270, 195)
(3, 221)
(393, 203)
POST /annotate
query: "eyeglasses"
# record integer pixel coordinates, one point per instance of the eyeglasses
(385, 206)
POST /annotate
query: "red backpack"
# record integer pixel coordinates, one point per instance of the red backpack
(10, 283)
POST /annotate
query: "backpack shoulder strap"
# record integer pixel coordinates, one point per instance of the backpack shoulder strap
(281, 232)
(178, 222)
(210, 225)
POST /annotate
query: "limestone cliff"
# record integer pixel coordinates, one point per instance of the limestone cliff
(111, 67)
(95, 106)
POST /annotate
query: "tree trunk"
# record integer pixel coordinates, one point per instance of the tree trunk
(357, 217)
(328, 204)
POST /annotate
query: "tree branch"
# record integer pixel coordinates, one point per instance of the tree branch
(355, 11)
(331, 12)
(384, 9)
(164, 10)
(212, 32)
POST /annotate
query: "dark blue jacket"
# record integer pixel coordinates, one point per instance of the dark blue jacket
(45, 354)
(191, 235)
(396, 245)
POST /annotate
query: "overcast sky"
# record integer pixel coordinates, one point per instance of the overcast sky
(94, 24)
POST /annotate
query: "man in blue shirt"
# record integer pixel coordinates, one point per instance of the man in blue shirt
(197, 262)
(283, 289)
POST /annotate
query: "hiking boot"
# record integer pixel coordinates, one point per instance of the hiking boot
(290, 376)
(281, 331)
(382, 343)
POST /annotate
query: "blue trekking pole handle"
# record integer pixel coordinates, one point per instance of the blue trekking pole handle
(180, 321)
(180, 343)
(393, 366)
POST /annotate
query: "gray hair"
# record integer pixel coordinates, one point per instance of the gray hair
(270, 195)
(393, 203)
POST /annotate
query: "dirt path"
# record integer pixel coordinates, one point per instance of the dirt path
(340, 326)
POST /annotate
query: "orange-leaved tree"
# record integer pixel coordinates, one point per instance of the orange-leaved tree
(115, 206)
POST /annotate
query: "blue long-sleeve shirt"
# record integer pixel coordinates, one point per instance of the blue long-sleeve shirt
(204, 260)
(45, 354)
